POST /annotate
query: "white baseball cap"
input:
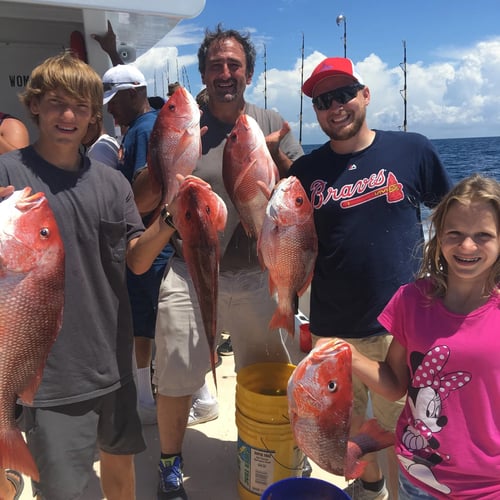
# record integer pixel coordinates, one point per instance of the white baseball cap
(121, 77)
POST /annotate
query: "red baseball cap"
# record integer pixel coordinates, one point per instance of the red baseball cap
(331, 66)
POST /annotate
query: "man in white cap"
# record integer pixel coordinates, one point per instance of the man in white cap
(366, 187)
(125, 93)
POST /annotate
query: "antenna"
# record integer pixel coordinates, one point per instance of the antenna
(300, 90)
(404, 91)
(342, 19)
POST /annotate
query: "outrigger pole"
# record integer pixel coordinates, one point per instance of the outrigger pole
(265, 77)
(404, 91)
(301, 95)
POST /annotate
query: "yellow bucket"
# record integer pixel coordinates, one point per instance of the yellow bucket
(266, 449)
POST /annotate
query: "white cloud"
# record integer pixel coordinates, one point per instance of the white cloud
(454, 96)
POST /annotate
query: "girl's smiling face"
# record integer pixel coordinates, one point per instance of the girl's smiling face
(470, 240)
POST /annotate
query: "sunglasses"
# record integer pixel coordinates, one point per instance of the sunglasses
(111, 86)
(341, 95)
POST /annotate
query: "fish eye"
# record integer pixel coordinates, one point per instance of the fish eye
(332, 386)
(299, 200)
(44, 232)
(171, 107)
(188, 215)
(207, 210)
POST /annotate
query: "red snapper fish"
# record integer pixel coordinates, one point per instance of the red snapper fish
(288, 246)
(175, 142)
(200, 215)
(31, 307)
(320, 405)
(247, 163)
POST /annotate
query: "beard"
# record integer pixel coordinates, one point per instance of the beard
(347, 132)
(231, 94)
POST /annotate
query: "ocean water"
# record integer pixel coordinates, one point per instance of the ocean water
(462, 157)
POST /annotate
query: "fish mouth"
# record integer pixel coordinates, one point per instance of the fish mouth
(26, 201)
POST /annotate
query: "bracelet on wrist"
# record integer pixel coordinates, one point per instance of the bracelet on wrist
(167, 217)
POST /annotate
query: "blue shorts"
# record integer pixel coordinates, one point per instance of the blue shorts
(408, 491)
(63, 439)
(143, 294)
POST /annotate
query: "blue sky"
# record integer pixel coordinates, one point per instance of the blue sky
(452, 66)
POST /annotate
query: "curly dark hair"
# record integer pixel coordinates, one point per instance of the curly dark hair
(218, 36)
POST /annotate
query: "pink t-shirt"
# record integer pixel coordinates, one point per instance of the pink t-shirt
(448, 434)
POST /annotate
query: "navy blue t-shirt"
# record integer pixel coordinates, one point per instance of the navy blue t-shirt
(367, 216)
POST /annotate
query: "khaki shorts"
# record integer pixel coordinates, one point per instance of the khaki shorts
(386, 412)
(244, 311)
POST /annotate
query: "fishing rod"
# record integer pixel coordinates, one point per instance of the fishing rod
(404, 91)
(301, 95)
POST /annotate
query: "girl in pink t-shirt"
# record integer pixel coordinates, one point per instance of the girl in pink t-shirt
(445, 353)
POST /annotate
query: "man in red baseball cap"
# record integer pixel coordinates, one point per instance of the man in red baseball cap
(332, 66)
(366, 187)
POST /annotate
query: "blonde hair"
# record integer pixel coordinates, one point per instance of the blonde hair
(67, 73)
(475, 188)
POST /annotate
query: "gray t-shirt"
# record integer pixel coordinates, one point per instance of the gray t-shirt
(97, 216)
(237, 250)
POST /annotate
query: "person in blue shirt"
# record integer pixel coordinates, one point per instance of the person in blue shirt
(366, 187)
(125, 93)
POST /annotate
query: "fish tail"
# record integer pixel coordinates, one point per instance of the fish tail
(14, 454)
(282, 320)
(372, 437)
(353, 466)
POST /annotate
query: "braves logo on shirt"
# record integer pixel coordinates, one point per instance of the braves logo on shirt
(380, 184)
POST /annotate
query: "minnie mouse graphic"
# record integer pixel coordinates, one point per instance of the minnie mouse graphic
(430, 386)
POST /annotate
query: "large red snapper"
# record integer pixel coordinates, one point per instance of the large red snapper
(175, 142)
(200, 215)
(247, 162)
(31, 306)
(320, 405)
(288, 246)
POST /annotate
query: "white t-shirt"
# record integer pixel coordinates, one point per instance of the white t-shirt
(105, 150)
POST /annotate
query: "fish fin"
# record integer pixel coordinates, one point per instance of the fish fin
(29, 391)
(248, 230)
(261, 259)
(272, 286)
(14, 454)
(212, 364)
(306, 285)
(265, 189)
(153, 173)
(221, 219)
